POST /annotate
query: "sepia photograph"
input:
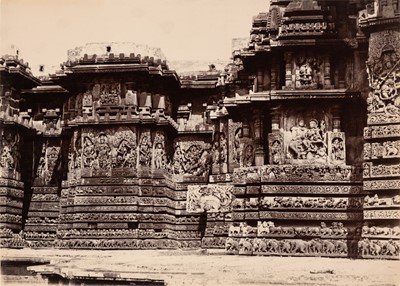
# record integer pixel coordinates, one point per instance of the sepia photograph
(200, 142)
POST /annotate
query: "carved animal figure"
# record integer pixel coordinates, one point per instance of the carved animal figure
(234, 230)
(262, 228)
(375, 247)
(328, 247)
(285, 246)
(273, 245)
(245, 245)
(259, 245)
(316, 246)
(210, 203)
(299, 246)
(341, 246)
(231, 244)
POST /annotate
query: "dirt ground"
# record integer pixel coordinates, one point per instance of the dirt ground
(213, 268)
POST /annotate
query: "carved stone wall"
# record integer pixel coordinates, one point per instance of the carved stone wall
(381, 149)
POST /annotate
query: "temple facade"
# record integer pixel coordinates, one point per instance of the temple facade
(292, 149)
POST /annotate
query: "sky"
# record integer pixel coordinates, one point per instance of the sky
(43, 30)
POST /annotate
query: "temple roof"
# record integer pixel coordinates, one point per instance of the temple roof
(104, 49)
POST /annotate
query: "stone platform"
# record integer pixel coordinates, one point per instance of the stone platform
(201, 267)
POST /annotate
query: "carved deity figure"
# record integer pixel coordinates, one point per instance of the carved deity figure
(224, 152)
(178, 161)
(6, 159)
(248, 156)
(89, 153)
(238, 146)
(338, 149)
(87, 99)
(276, 152)
(159, 156)
(103, 151)
(126, 154)
(145, 151)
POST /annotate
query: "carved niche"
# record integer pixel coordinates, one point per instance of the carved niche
(311, 70)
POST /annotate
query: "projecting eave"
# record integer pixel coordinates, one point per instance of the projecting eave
(21, 74)
(45, 89)
(107, 68)
(272, 95)
(193, 84)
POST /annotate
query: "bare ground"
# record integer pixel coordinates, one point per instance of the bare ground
(212, 268)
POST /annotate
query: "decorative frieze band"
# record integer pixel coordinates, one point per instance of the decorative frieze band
(381, 214)
(311, 189)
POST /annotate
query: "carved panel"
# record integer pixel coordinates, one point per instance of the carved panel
(191, 158)
(209, 198)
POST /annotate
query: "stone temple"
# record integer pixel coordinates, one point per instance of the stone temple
(292, 149)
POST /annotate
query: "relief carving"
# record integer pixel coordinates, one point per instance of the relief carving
(209, 198)
(308, 143)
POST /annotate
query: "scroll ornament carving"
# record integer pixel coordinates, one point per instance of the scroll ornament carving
(310, 203)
